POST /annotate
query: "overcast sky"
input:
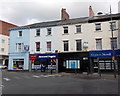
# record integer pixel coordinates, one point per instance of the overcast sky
(23, 12)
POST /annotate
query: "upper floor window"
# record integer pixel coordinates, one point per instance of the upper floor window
(3, 41)
(113, 25)
(49, 31)
(19, 47)
(78, 45)
(37, 32)
(78, 28)
(49, 46)
(37, 46)
(99, 43)
(20, 34)
(66, 45)
(113, 43)
(2, 49)
(65, 30)
(98, 26)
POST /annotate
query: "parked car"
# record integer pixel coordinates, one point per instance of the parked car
(3, 66)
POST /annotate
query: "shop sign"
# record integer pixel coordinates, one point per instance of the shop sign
(43, 56)
(85, 44)
(104, 53)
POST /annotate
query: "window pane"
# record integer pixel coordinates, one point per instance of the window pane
(78, 28)
(98, 43)
(113, 25)
(66, 47)
(114, 44)
(48, 31)
(37, 46)
(78, 45)
(98, 26)
(65, 30)
(37, 32)
(3, 41)
(20, 33)
(48, 46)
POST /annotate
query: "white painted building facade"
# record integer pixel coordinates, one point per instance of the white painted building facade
(87, 34)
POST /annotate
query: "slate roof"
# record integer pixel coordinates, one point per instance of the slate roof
(99, 18)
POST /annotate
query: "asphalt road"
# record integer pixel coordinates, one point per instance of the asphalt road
(37, 83)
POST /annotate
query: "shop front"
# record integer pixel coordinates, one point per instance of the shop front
(44, 62)
(73, 62)
(19, 61)
(102, 60)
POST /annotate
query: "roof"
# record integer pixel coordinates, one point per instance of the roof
(99, 18)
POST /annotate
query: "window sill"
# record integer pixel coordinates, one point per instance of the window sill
(78, 33)
(65, 34)
(48, 35)
(37, 36)
(98, 31)
(19, 37)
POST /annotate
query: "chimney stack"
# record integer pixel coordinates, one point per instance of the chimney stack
(91, 13)
(64, 14)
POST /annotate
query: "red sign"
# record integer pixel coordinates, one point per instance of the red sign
(33, 57)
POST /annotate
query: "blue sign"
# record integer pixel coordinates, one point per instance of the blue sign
(47, 56)
(104, 53)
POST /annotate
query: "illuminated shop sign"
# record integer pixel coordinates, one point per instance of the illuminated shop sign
(104, 53)
(43, 56)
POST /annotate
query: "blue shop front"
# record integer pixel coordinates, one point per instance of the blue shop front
(44, 62)
(103, 60)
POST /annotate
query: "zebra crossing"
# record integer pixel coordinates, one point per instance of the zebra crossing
(7, 79)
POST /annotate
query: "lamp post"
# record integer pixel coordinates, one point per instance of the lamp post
(51, 65)
(113, 51)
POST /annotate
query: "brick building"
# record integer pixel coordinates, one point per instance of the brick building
(4, 37)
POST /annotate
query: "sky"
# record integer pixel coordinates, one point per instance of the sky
(24, 12)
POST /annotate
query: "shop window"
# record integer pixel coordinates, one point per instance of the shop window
(78, 28)
(65, 30)
(37, 32)
(114, 43)
(97, 27)
(49, 46)
(66, 45)
(18, 64)
(72, 64)
(37, 46)
(99, 43)
(78, 45)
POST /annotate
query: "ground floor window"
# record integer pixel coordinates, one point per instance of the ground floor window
(72, 64)
(44, 64)
(18, 63)
(105, 64)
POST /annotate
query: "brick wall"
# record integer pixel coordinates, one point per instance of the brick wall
(4, 26)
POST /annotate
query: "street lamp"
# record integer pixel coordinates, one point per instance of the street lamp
(113, 51)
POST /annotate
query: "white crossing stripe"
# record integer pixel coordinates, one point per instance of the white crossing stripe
(7, 79)
(36, 76)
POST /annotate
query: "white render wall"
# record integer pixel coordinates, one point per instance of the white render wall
(4, 45)
(88, 35)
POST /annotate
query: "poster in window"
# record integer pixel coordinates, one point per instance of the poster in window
(108, 65)
(101, 65)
